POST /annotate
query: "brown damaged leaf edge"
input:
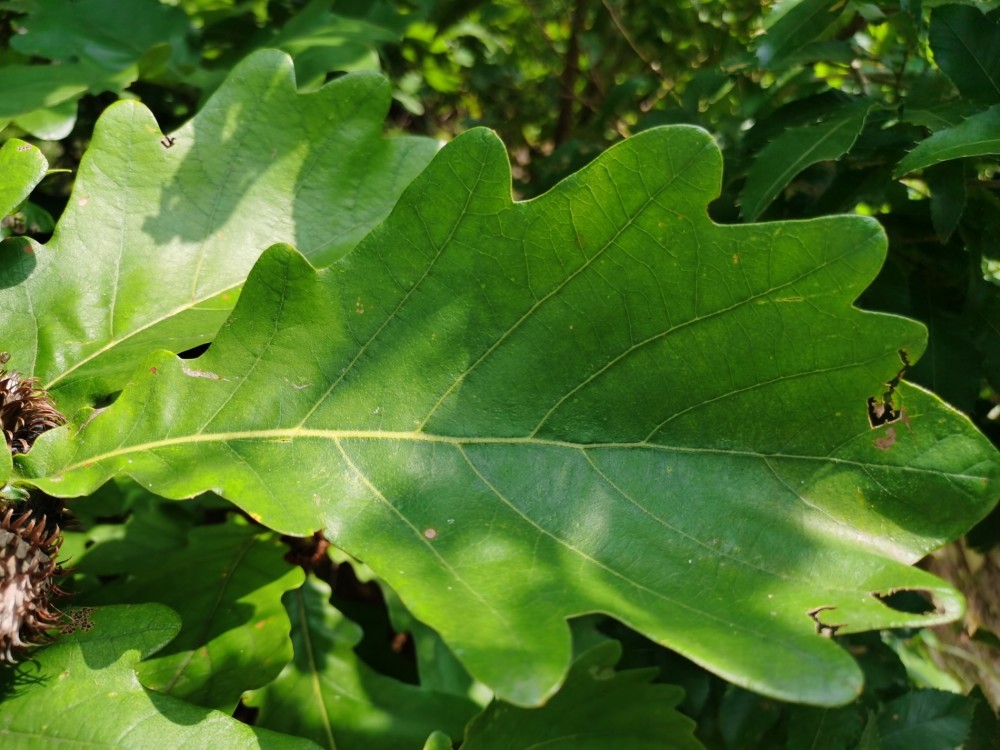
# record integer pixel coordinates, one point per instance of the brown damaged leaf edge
(881, 410)
(827, 631)
(928, 603)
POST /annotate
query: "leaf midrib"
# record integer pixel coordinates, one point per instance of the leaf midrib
(972, 54)
(187, 306)
(288, 434)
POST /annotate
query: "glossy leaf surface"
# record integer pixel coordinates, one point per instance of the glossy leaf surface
(595, 401)
(978, 135)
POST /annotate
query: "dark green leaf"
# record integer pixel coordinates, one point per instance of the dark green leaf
(332, 697)
(824, 728)
(869, 738)
(802, 22)
(794, 150)
(925, 720)
(745, 719)
(966, 46)
(438, 668)
(98, 31)
(598, 400)
(153, 529)
(976, 136)
(947, 184)
(984, 733)
(595, 709)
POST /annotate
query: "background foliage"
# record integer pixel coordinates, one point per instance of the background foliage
(200, 611)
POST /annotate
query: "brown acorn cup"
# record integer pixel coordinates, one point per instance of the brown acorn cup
(29, 541)
(27, 568)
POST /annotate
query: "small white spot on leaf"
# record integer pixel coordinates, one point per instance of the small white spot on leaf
(200, 374)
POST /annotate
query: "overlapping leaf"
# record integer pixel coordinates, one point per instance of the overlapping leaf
(235, 634)
(82, 691)
(87, 45)
(159, 234)
(975, 136)
(329, 695)
(794, 150)
(22, 166)
(598, 400)
(596, 704)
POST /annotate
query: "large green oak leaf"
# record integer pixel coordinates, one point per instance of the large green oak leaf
(160, 233)
(595, 401)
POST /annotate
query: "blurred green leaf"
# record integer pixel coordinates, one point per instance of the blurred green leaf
(27, 88)
(595, 708)
(792, 25)
(91, 46)
(323, 42)
(332, 697)
(984, 732)
(235, 633)
(438, 741)
(98, 31)
(947, 184)
(51, 123)
(745, 718)
(925, 720)
(824, 728)
(869, 738)
(966, 46)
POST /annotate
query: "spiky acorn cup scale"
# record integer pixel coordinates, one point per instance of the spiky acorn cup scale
(28, 546)
(27, 567)
(26, 410)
